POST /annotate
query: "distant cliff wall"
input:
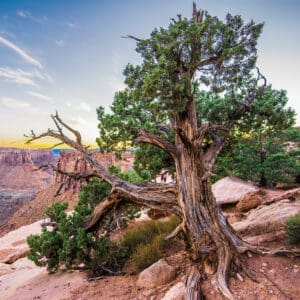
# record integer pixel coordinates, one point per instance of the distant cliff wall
(73, 162)
(20, 179)
(69, 189)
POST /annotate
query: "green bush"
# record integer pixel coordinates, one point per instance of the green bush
(293, 228)
(68, 244)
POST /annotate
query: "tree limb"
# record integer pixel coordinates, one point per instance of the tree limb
(75, 132)
(175, 232)
(157, 196)
(100, 210)
(77, 175)
(150, 138)
(205, 128)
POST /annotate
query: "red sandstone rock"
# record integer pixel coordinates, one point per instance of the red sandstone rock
(71, 161)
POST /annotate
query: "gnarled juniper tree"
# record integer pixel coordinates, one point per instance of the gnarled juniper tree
(175, 62)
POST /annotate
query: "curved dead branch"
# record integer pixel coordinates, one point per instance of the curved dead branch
(157, 196)
(175, 232)
(150, 138)
(78, 175)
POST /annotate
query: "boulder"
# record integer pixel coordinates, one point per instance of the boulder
(158, 274)
(231, 189)
(14, 245)
(176, 292)
(5, 269)
(248, 202)
(267, 222)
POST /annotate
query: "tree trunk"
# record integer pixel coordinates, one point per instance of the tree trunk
(211, 239)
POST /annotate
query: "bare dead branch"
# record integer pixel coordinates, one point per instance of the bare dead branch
(75, 132)
(150, 138)
(55, 145)
(100, 210)
(56, 124)
(175, 232)
(131, 37)
(77, 175)
(159, 196)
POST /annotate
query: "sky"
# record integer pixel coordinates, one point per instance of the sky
(69, 55)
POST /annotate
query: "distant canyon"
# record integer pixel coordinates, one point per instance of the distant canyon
(22, 182)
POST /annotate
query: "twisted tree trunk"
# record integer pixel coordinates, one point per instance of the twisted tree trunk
(211, 238)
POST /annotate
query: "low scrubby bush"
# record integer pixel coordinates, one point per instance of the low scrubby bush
(68, 245)
(293, 228)
(146, 243)
(147, 254)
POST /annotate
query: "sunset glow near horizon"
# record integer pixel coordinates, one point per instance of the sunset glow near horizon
(69, 55)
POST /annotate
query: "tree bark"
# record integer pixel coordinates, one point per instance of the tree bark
(211, 239)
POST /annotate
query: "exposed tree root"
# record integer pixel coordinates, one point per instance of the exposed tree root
(221, 277)
(192, 283)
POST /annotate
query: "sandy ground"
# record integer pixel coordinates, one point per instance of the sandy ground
(39, 285)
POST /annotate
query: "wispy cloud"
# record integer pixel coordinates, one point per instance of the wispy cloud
(18, 76)
(71, 25)
(21, 52)
(39, 96)
(22, 13)
(24, 77)
(59, 43)
(14, 104)
(84, 106)
(27, 15)
(18, 105)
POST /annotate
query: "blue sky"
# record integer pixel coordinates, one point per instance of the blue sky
(69, 55)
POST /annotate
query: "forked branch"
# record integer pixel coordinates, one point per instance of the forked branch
(158, 196)
(78, 175)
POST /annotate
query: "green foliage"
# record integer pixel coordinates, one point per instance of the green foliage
(263, 158)
(176, 62)
(68, 245)
(293, 228)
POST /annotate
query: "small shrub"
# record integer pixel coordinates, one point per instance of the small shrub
(145, 232)
(293, 228)
(147, 254)
(68, 244)
(146, 243)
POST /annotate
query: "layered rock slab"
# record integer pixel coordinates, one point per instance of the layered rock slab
(230, 190)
